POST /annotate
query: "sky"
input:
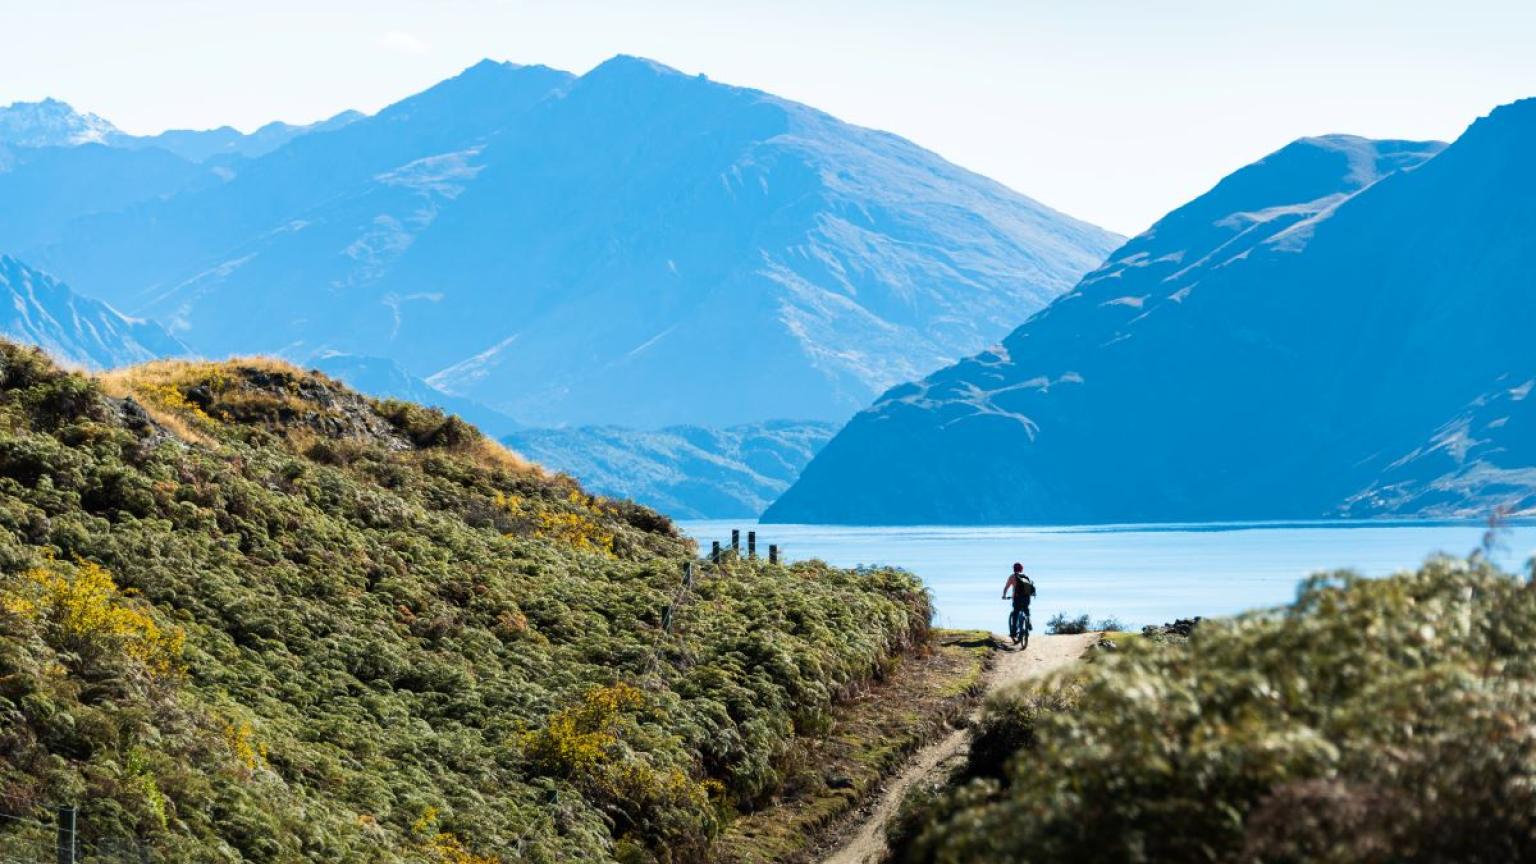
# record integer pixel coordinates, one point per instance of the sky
(1114, 111)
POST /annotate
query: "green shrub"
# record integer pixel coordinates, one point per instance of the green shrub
(1061, 625)
(249, 615)
(1372, 720)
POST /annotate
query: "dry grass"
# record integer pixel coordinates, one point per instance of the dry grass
(160, 387)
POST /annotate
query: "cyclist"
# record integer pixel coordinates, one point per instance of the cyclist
(1023, 589)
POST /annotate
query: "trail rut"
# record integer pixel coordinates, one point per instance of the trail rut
(865, 842)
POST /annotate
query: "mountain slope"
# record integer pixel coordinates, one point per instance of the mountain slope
(385, 379)
(687, 472)
(248, 615)
(39, 310)
(733, 255)
(1272, 350)
(201, 145)
(132, 257)
(45, 189)
(51, 123)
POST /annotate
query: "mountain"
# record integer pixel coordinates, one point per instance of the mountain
(150, 258)
(550, 246)
(247, 614)
(201, 145)
(46, 189)
(1339, 329)
(39, 310)
(687, 472)
(385, 379)
(51, 123)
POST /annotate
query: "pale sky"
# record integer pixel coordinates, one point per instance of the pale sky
(1114, 111)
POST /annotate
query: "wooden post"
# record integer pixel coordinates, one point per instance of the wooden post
(773, 553)
(714, 552)
(67, 835)
(736, 540)
(688, 574)
(751, 544)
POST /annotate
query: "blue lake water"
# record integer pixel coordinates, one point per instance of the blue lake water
(1140, 574)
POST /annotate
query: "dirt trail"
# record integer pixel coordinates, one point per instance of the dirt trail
(865, 842)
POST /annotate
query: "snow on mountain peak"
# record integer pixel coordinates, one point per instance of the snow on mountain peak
(51, 123)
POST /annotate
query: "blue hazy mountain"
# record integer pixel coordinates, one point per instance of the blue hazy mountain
(52, 123)
(201, 145)
(39, 310)
(46, 189)
(385, 379)
(687, 472)
(635, 246)
(144, 253)
(1341, 328)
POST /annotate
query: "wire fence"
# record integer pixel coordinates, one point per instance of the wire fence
(31, 834)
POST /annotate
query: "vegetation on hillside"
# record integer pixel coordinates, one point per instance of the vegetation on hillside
(249, 615)
(1381, 720)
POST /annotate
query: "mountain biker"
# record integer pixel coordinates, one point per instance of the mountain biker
(1023, 589)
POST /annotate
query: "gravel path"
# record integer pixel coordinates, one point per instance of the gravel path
(865, 841)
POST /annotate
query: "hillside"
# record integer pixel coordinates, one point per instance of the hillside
(687, 472)
(1291, 345)
(39, 310)
(549, 245)
(249, 615)
(1372, 721)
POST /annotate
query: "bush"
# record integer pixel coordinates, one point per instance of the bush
(1061, 625)
(247, 614)
(1371, 721)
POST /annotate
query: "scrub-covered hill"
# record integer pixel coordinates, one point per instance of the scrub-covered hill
(249, 615)
(1386, 720)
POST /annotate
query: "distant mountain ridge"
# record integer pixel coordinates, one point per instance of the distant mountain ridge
(551, 246)
(52, 123)
(1339, 329)
(39, 310)
(687, 472)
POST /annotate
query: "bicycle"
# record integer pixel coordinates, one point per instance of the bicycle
(1019, 626)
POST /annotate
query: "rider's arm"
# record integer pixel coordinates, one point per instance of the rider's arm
(1012, 581)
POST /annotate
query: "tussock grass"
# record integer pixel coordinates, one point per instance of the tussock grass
(395, 642)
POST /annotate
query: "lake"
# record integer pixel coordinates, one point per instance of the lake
(1140, 574)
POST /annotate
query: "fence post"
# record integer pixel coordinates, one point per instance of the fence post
(736, 540)
(67, 835)
(688, 574)
(714, 553)
(666, 619)
(751, 544)
(773, 553)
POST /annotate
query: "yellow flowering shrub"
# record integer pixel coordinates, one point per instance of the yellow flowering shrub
(84, 606)
(585, 743)
(241, 738)
(441, 847)
(572, 527)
